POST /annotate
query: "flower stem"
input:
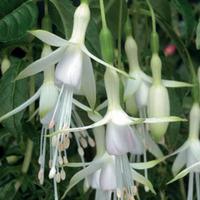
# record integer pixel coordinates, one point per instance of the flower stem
(103, 16)
(119, 35)
(152, 16)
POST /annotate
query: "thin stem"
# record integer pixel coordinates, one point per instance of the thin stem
(27, 158)
(182, 189)
(31, 93)
(120, 34)
(152, 16)
(84, 1)
(46, 8)
(103, 16)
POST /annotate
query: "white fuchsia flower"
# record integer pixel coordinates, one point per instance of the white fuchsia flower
(139, 86)
(106, 174)
(188, 154)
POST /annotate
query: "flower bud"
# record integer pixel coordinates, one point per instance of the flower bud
(132, 53)
(194, 121)
(156, 66)
(48, 98)
(106, 41)
(108, 177)
(158, 106)
(81, 20)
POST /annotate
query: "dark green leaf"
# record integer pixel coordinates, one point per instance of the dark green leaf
(14, 25)
(7, 6)
(13, 93)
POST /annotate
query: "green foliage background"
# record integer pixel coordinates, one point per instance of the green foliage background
(177, 21)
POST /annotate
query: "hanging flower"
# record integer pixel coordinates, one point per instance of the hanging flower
(139, 86)
(188, 154)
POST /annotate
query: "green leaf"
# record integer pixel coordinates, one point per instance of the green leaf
(66, 12)
(14, 25)
(185, 9)
(12, 95)
(8, 191)
(7, 6)
(162, 7)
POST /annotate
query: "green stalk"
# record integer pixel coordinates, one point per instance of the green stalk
(84, 1)
(103, 16)
(119, 35)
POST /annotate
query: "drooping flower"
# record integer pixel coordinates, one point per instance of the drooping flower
(188, 153)
(139, 86)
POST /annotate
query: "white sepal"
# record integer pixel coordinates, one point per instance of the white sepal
(49, 38)
(88, 83)
(42, 64)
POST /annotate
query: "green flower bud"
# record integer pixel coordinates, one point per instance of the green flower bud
(48, 99)
(156, 67)
(106, 41)
(194, 121)
(158, 106)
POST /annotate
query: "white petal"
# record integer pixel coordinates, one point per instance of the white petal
(179, 162)
(88, 84)
(120, 140)
(108, 176)
(21, 107)
(69, 68)
(49, 38)
(42, 63)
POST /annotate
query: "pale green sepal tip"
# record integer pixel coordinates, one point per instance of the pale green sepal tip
(147, 165)
(81, 175)
(184, 172)
(141, 179)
